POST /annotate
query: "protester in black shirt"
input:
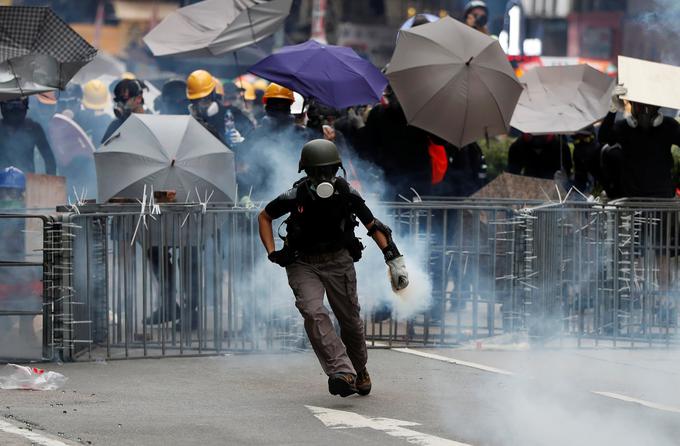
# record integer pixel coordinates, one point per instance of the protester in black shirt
(19, 137)
(642, 166)
(318, 254)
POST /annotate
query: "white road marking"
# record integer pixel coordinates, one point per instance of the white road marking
(644, 403)
(474, 365)
(340, 419)
(33, 436)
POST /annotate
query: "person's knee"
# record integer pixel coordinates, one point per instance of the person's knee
(310, 310)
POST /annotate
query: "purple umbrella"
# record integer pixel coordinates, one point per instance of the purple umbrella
(334, 75)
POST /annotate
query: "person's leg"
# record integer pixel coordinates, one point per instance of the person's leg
(339, 279)
(306, 284)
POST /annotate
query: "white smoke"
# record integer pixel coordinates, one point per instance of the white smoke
(374, 287)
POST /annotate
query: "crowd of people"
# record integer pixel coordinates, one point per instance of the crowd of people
(627, 157)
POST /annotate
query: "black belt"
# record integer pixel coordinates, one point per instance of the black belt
(320, 257)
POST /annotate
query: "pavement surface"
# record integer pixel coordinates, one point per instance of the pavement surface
(426, 397)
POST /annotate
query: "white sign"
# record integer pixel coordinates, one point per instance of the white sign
(650, 83)
(340, 419)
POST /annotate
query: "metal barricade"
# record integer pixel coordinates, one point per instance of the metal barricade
(182, 282)
(33, 266)
(601, 273)
(192, 279)
(469, 252)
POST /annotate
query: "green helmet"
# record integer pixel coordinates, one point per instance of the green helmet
(319, 153)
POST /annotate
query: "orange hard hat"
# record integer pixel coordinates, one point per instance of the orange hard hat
(219, 88)
(279, 92)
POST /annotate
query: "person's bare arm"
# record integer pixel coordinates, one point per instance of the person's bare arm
(266, 231)
(378, 236)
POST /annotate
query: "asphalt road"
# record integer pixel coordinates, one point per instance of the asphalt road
(543, 397)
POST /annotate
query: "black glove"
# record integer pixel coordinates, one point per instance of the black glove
(282, 257)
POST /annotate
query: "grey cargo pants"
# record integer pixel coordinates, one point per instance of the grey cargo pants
(333, 274)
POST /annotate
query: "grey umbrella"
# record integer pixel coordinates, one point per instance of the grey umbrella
(38, 51)
(453, 81)
(102, 65)
(214, 27)
(165, 152)
(562, 99)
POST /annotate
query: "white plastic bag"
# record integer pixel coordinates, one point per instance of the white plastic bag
(14, 376)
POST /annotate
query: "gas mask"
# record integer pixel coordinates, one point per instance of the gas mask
(204, 108)
(644, 116)
(124, 108)
(481, 20)
(14, 112)
(322, 180)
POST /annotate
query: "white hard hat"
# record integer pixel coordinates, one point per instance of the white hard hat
(296, 108)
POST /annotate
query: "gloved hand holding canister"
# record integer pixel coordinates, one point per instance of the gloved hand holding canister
(617, 103)
(382, 234)
(398, 273)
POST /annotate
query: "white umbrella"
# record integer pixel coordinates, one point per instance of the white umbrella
(214, 27)
(103, 64)
(562, 99)
(167, 153)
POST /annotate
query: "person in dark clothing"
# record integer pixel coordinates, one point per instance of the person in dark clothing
(234, 116)
(642, 164)
(69, 101)
(276, 138)
(539, 156)
(461, 173)
(173, 99)
(128, 98)
(476, 15)
(41, 108)
(205, 105)
(19, 137)
(397, 148)
(93, 118)
(319, 252)
(587, 150)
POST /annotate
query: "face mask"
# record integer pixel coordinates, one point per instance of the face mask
(481, 21)
(644, 118)
(123, 110)
(205, 111)
(323, 179)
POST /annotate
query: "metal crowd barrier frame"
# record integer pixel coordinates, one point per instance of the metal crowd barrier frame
(188, 281)
(34, 267)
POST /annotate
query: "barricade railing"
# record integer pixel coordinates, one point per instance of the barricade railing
(192, 279)
(602, 273)
(33, 268)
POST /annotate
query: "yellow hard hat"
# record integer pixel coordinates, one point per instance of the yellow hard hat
(95, 95)
(261, 84)
(249, 93)
(200, 84)
(128, 75)
(219, 88)
(279, 92)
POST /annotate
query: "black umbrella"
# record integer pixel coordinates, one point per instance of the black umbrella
(38, 51)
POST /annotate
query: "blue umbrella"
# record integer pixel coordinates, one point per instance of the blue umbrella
(334, 75)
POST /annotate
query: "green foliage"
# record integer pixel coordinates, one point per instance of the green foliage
(496, 155)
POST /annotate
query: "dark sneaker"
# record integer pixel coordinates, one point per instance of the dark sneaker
(363, 383)
(342, 384)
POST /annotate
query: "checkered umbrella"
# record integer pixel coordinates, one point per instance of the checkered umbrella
(38, 51)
